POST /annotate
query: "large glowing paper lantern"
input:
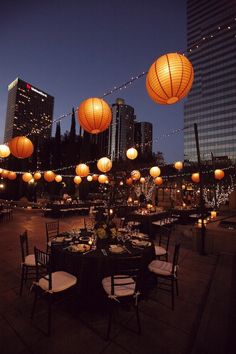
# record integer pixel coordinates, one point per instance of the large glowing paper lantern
(131, 153)
(104, 164)
(11, 175)
(37, 176)
(77, 179)
(195, 177)
(58, 178)
(158, 181)
(169, 78)
(21, 147)
(4, 151)
(178, 165)
(82, 170)
(102, 179)
(135, 175)
(27, 177)
(94, 115)
(49, 176)
(219, 174)
(155, 171)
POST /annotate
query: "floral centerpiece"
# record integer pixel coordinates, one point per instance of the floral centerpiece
(104, 230)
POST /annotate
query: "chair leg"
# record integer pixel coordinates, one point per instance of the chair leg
(26, 274)
(177, 286)
(172, 294)
(138, 318)
(49, 314)
(22, 278)
(34, 304)
(109, 321)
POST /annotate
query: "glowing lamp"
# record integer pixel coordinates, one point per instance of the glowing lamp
(5, 173)
(131, 153)
(27, 177)
(4, 151)
(142, 180)
(213, 214)
(94, 115)
(11, 175)
(77, 179)
(158, 181)
(102, 179)
(58, 178)
(49, 176)
(21, 147)
(95, 177)
(219, 174)
(155, 171)
(37, 176)
(104, 164)
(89, 178)
(82, 170)
(178, 165)
(135, 175)
(169, 78)
(195, 177)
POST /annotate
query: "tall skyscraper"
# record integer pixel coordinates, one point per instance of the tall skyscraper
(211, 102)
(121, 130)
(143, 138)
(29, 111)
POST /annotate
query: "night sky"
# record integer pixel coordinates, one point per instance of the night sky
(79, 49)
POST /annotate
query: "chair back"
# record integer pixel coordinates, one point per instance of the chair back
(175, 258)
(52, 229)
(24, 245)
(43, 266)
(127, 269)
(164, 237)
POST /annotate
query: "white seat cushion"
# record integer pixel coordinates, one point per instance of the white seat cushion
(30, 260)
(160, 267)
(60, 281)
(160, 251)
(119, 290)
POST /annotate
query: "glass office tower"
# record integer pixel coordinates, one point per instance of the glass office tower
(211, 103)
(143, 138)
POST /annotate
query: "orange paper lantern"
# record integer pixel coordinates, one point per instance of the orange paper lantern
(5, 173)
(195, 177)
(82, 170)
(102, 179)
(135, 175)
(77, 179)
(27, 177)
(37, 176)
(155, 171)
(142, 180)
(89, 178)
(21, 147)
(58, 178)
(49, 176)
(129, 181)
(219, 174)
(94, 115)
(178, 165)
(158, 181)
(131, 153)
(104, 164)
(11, 175)
(169, 78)
(95, 177)
(4, 151)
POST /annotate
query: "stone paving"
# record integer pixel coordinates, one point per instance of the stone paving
(78, 330)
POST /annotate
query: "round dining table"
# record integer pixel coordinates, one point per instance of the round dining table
(93, 264)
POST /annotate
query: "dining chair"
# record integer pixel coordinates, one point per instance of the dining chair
(48, 284)
(167, 274)
(52, 231)
(162, 246)
(28, 265)
(122, 285)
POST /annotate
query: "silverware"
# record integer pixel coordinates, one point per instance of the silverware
(127, 250)
(88, 252)
(104, 252)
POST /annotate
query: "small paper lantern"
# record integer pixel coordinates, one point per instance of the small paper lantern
(95, 177)
(219, 174)
(135, 175)
(169, 78)
(21, 147)
(104, 164)
(131, 153)
(155, 171)
(77, 179)
(49, 176)
(58, 178)
(37, 176)
(31, 181)
(27, 177)
(89, 178)
(11, 175)
(94, 115)
(4, 151)
(142, 180)
(178, 165)
(102, 179)
(129, 181)
(82, 170)
(5, 173)
(195, 177)
(158, 181)
(1, 170)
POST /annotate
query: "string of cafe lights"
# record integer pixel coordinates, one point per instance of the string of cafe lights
(219, 29)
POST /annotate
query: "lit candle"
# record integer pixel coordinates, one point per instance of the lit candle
(213, 214)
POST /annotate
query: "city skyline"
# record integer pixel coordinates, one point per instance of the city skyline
(83, 65)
